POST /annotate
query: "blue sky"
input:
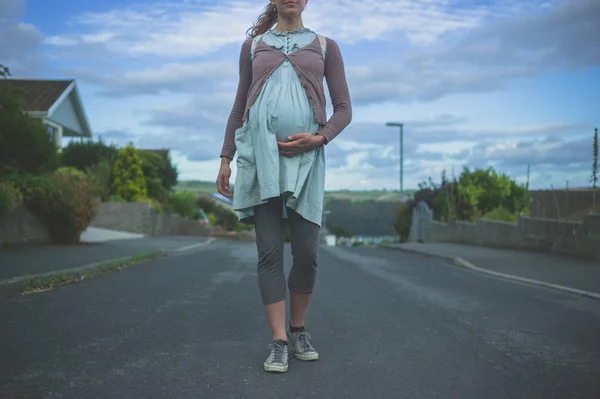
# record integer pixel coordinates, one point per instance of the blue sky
(502, 83)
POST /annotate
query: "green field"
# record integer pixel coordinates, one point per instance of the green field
(196, 186)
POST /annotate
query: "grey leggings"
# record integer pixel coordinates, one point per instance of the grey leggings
(269, 227)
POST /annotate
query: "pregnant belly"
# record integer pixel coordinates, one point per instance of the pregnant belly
(291, 113)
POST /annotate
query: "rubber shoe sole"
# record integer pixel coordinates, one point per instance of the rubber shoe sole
(275, 368)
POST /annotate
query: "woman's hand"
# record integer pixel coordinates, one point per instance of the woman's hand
(223, 178)
(299, 143)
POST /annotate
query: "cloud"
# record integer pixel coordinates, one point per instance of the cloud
(187, 28)
(553, 151)
(200, 77)
(178, 29)
(20, 43)
(451, 49)
(488, 57)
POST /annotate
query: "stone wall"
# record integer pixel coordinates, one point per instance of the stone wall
(551, 235)
(144, 219)
(22, 227)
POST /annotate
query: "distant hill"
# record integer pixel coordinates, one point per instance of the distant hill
(197, 186)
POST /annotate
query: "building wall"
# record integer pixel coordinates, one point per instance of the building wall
(67, 116)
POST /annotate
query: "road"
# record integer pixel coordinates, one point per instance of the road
(387, 325)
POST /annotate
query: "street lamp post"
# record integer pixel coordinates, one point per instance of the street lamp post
(401, 126)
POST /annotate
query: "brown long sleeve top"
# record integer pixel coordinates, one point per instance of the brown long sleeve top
(310, 67)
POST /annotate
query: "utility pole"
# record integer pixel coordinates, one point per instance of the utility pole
(401, 126)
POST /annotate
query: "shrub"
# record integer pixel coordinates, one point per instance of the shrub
(99, 176)
(85, 153)
(128, 177)
(154, 166)
(227, 219)
(25, 145)
(116, 198)
(184, 204)
(152, 202)
(31, 186)
(62, 201)
(501, 214)
(69, 210)
(205, 202)
(10, 198)
(404, 220)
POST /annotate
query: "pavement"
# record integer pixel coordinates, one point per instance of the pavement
(96, 234)
(387, 324)
(554, 270)
(34, 259)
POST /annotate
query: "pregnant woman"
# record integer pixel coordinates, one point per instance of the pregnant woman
(279, 129)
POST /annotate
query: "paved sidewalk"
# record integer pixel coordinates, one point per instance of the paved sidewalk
(27, 260)
(551, 268)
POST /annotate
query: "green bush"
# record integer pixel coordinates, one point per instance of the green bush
(154, 166)
(10, 198)
(85, 153)
(25, 145)
(477, 192)
(152, 202)
(116, 198)
(62, 201)
(184, 204)
(404, 220)
(226, 218)
(128, 177)
(99, 176)
(205, 202)
(501, 214)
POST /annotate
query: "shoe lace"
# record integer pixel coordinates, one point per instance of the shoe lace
(304, 339)
(277, 350)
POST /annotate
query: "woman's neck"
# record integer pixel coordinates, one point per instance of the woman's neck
(287, 25)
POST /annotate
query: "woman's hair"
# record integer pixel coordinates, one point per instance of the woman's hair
(265, 21)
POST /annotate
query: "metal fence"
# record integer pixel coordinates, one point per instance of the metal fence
(421, 222)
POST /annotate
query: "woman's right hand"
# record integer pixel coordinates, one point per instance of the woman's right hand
(223, 178)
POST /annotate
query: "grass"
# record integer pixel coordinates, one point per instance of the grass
(198, 186)
(52, 280)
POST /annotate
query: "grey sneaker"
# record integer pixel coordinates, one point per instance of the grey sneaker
(300, 343)
(277, 362)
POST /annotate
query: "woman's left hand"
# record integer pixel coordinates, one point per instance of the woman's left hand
(299, 143)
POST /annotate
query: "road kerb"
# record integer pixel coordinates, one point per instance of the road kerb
(11, 287)
(460, 262)
(468, 265)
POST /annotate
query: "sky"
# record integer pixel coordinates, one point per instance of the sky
(500, 83)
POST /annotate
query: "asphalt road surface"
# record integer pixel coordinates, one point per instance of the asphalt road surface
(387, 325)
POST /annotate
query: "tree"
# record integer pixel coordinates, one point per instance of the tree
(159, 172)
(128, 176)
(4, 72)
(25, 145)
(85, 153)
(339, 230)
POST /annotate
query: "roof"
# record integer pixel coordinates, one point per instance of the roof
(38, 95)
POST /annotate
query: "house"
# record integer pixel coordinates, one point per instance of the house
(56, 102)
